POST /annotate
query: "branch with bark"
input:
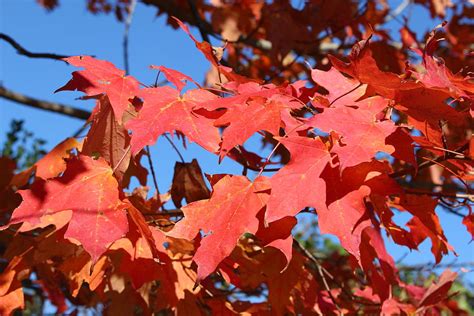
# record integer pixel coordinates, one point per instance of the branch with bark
(23, 51)
(44, 105)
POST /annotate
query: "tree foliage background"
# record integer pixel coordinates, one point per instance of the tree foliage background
(331, 119)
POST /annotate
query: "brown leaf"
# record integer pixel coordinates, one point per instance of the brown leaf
(107, 138)
(188, 183)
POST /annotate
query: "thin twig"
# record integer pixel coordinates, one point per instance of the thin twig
(44, 105)
(449, 170)
(454, 212)
(172, 213)
(175, 148)
(443, 137)
(456, 154)
(77, 134)
(128, 23)
(426, 164)
(267, 160)
(198, 21)
(442, 194)
(397, 11)
(346, 93)
(260, 169)
(153, 175)
(22, 51)
(307, 254)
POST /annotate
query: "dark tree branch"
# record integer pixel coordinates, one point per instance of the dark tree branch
(44, 105)
(188, 16)
(175, 148)
(22, 51)
(171, 213)
(153, 174)
(297, 245)
(426, 164)
(455, 195)
(172, 8)
(346, 93)
(198, 21)
(454, 212)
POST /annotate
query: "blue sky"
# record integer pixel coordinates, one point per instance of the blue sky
(71, 30)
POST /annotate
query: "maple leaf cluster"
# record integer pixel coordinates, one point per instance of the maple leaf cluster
(352, 143)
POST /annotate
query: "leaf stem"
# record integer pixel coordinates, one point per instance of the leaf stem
(175, 148)
(153, 175)
(121, 159)
(346, 93)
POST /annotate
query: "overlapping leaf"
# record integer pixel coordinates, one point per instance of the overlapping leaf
(298, 184)
(86, 198)
(99, 77)
(345, 219)
(354, 195)
(230, 212)
(363, 135)
(341, 90)
(425, 224)
(244, 120)
(165, 110)
(188, 183)
(107, 138)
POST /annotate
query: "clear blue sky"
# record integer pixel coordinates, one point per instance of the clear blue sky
(71, 30)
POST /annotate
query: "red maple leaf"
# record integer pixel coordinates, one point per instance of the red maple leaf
(362, 133)
(344, 219)
(107, 138)
(437, 76)
(243, 121)
(165, 110)
(298, 184)
(342, 90)
(101, 77)
(230, 212)
(86, 197)
(363, 67)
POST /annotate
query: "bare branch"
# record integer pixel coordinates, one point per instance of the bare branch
(456, 195)
(172, 213)
(174, 9)
(128, 23)
(153, 174)
(22, 51)
(319, 268)
(198, 21)
(44, 105)
(426, 164)
(174, 147)
(397, 11)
